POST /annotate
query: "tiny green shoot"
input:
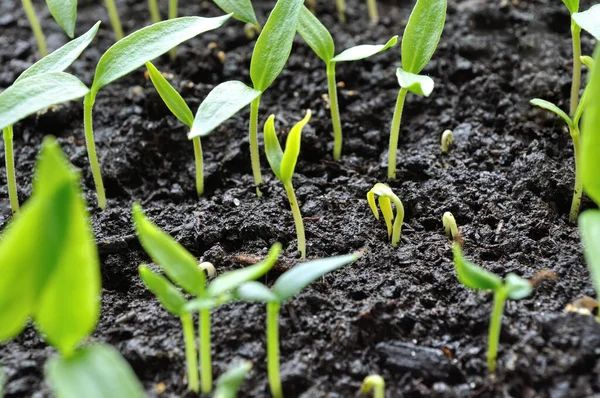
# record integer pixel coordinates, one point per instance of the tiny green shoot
(283, 164)
(285, 287)
(514, 287)
(386, 198)
(373, 383)
(115, 21)
(450, 227)
(447, 140)
(229, 382)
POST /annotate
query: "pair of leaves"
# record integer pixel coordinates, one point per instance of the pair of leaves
(65, 14)
(589, 20)
(242, 10)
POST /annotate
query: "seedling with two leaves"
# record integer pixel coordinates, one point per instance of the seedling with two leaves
(386, 197)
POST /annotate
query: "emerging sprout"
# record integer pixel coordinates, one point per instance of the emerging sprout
(373, 383)
(283, 165)
(447, 140)
(451, 228)
(514, 287)
(285, 287)
(115, 21)
(386, 198)
(211, 272)
(229, 383)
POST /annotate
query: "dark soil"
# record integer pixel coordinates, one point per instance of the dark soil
(399, 311)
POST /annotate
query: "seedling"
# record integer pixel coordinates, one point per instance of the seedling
(451, 228)
(285, 287)
(229, 383)
(115, 21)
(420, 39)
(283, 165)
(514, 287)
(319, 39)
(386, 198)
(127, 55)
(447, 140)
(373, 383)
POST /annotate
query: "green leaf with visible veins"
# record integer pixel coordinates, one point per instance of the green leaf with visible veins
(590, 137)
(316, 35)
(364, 51)
(170, 96)
(65, 14)
(472, 276)
(241, 9)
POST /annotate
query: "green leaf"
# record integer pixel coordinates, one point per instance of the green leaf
(205, 303)
(589, 20)
(179, 265)
(517, 288)
(292, 149)
(242, 10)
(96, 371)
(422, 34)
(316, 35)
(220, 104)
(229, 383)
(272, 147)
(62, 58)
(38, 92)
(473, 276)
(364, 51)
(590, 140)
(274, 44)
(589, 225)
(255, 292)
(148, 43)
(572, 5)
(231, 280)
(293, 281)
(170, 96)
(165, 292)
(65, 14)
(416, 84)
(552, 108)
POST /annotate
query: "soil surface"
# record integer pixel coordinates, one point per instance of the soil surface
(399, 312)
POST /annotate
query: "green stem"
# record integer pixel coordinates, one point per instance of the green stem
(154, 11)
(373, 11)
(35, 27)
(397, 229)
(7, 134)
(289, 189)
(341, 7)
(88, 105)
(205, 351)
(575, 85)
(173, 15)
(335, 111)
(254, 154)
(273, 349)
(115, 21)
(190, 351)
(578, 190)
(495, 326)
(395, 133)
(199, 165)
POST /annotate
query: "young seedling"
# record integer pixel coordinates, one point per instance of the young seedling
(127, 55)
(386, 198)
(373, 383)
(450, 227)
(115, 21)
(421, 37)
(285, 287)
(447, 140)
(229, 383)
(514, 287)
(319, 39)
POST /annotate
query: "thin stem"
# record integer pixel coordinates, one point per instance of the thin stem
(373, 11)
(154, 11)
(495, 326)
(578, 190)
(254, 154)
(575, 85)
(341, 7)
(173, 15)
(397, 229)
(88, 104)
(199, 165)
(395, 133)
(273, 349)
(115, 21)
(35, 27)
(335, 111)
(7, 134)
(205, 352)
(289, 189)
(190, 351)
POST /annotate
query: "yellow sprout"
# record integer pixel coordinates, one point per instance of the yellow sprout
(386, 198)
(446, 140)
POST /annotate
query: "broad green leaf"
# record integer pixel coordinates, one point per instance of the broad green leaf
(422, 34)
(589, 20)
(364, 51)
(168, 295)
(241, 9)
(255, 292)
(316, 35)
(589, 225)
(272, 147)
(95, 371)
(229, 382)
(293, 281)
(179, 265)
(473, 276)
(517, 288)
(274, 44)
(170, 96)
(590, 140)
(38, 92)
(148, 43)
(231, 280)
(416, 84)
(220, 104)
(552, 108)
(572, 5)
(65, 14)
(62, 58)
(292, 149)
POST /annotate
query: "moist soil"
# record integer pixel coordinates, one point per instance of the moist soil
(399, 312)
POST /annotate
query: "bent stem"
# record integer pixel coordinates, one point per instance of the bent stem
(289, 189)
(273, 349)
(395, 133)
(173, 15)
(578, 190)
(335, 111)
(35, 27)
(199, 165)
(373, 11)
(397, 229)
(205, 352)
(7, 134)
(341, 7)
(154, 11)
(254, 155)
(88, 104)
(115, 21)
(575, 85)
(190, 351)
(495, 326)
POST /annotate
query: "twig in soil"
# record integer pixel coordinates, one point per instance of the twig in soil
(373, 383)
(386, 198)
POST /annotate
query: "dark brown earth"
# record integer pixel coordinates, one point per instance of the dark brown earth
(399, 311)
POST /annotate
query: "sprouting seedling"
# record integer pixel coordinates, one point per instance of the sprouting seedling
(283, 165)
(243, 11)
(285, 287)
(373, 383)
(371, 7)
(386, 198)
(182, 268)
(127, 55)
(270, 55)
(447, 140)
(319, 39)
(450, 227)
(514, 287)
(229, 382)
(115, 20)
(421, 37)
